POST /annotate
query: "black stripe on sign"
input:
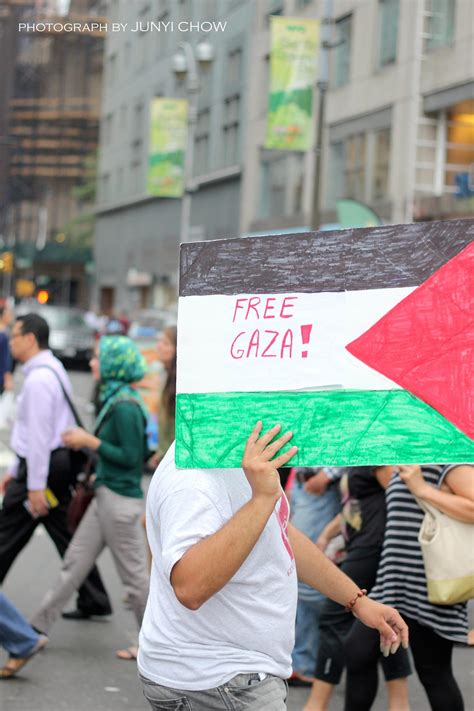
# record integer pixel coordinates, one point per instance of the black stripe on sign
(369, 258)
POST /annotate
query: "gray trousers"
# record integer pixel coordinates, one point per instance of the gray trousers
(111, 520)
(245, 692)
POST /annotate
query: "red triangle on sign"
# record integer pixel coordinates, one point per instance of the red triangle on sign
(426, 342)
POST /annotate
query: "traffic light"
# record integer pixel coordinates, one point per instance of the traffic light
(6, 262)
(42, 297)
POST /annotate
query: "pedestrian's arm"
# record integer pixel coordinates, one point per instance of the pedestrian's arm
(330, 531)
(208, 565)
(316, 570)
(129, 426)
(458, 502)
(38, 405)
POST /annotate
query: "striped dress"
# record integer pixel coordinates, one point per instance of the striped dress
(401, 580)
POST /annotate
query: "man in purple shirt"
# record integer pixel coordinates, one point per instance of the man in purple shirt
(42, 460)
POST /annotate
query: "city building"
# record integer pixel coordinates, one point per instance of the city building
(137, 235)
(49, 124)
(398, 128)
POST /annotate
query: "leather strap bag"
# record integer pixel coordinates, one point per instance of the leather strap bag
(447, 546)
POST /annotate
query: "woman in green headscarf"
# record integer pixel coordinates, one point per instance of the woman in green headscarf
(112, 518)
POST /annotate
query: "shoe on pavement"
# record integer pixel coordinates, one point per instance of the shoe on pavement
(78, 614)
(14, 664)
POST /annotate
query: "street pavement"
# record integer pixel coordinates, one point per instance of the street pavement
(78, 670)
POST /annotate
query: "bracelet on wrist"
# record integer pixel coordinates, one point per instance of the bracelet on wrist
(350, 605)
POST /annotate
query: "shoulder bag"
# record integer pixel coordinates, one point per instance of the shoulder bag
(447, 546)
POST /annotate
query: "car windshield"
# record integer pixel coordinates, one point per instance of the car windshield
(63, 319)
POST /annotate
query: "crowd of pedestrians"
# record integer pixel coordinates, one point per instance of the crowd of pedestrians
(239, 595)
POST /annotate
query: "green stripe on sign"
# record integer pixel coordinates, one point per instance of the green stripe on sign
(361, 428)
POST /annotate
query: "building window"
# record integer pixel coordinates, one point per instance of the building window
(355, 167)
(142, 50)
(138, 122)
(201, 156)
(107, 129)
(105, 187)
(275, 7)
(388, 31)
(231, 130)
(265, 85)
(359, 167)
(381, 168)
(281, 188)
(123, 117)
(162, 37)
(111, 68)
(134, 186)
(440, 29)
(342, 51)
(234, 66)
(184, 10)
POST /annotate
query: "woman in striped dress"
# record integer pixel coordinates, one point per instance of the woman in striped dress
(401, 581)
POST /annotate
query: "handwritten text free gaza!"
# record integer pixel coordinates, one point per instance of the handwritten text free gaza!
(280, 342)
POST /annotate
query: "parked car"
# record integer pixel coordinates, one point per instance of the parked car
(70, 338)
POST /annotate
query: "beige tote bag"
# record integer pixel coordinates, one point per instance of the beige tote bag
(448, 553)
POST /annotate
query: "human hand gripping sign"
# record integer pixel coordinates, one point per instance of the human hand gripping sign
(260, 462)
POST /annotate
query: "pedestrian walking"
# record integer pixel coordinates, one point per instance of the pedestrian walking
(6, 362)
(310, 512)
(112, 518)
(166, 351)
(362, 522)
(401, 581)
(18, 637)
(218, 629)
(43, 465)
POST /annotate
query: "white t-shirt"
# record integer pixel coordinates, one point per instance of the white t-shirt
(248, 626)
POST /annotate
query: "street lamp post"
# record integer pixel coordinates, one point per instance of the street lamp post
(322, 86)
(185, 63)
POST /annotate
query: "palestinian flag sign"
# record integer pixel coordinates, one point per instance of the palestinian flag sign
(359, 341)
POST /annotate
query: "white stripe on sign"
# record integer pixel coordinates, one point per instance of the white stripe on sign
(293, 341)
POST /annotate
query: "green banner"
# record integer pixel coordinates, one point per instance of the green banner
(293, 60)
(167, 152)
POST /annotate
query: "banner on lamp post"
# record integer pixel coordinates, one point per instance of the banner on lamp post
(293, 60)
(167, 150)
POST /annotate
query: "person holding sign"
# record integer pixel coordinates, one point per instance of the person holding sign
(218, 629)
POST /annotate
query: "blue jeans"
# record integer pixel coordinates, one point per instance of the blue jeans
(310, 514)
(17, 636)
(305, 651)
(245, 692)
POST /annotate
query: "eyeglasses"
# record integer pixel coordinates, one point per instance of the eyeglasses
(15, 335)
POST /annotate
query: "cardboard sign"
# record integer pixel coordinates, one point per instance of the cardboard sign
(359, 341)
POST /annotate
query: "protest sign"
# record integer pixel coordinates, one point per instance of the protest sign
(359, 341)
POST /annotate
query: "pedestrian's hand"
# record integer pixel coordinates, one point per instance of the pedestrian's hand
(260, 462)
(318, 483)
(4, 481)
(75, 438)
(412, 476)
(389, 623)
(38, 503)
(322, 542)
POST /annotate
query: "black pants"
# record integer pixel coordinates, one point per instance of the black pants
(335, 624)
(432, 657)
(17, 527)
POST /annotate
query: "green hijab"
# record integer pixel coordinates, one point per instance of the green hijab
(121, 364)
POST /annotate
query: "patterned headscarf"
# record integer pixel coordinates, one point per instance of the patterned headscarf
(121, 363)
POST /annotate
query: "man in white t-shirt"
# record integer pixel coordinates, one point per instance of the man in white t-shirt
(218, 630)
